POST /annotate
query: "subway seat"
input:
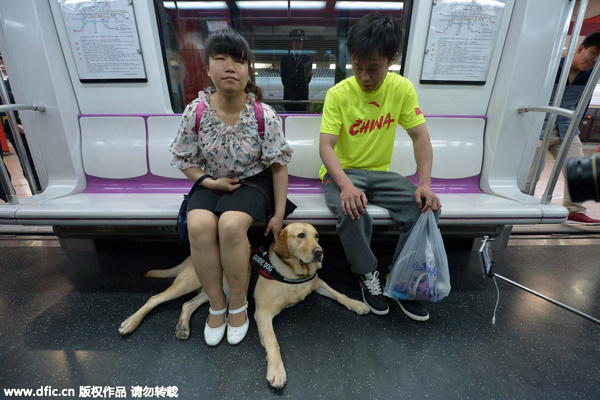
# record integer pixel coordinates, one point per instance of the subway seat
(129, 180)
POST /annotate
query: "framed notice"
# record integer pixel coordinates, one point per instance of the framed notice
(104, 39)
(461, 39)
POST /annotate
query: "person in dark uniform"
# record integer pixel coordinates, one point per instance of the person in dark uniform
(296, 72)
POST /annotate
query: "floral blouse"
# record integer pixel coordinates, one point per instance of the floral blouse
(229, 151)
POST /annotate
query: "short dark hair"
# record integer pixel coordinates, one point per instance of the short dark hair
(375, 35)
(593, 39)
(227, 41)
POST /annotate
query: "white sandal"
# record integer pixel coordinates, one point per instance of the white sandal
(213, 336)
(238, 333)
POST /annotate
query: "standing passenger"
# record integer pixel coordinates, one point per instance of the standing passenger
(357, 138)
(579, 72)
(9, 133)
(227, 149)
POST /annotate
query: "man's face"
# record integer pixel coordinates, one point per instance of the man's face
(586, 58)
(371, 73)
(2, 67)
(297, 44)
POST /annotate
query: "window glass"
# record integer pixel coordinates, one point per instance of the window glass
(299, 46)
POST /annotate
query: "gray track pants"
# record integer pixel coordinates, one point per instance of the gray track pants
(385, 189)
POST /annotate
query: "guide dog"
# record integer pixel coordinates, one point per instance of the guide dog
(295, 256)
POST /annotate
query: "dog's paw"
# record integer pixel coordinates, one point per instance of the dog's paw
(182, 332)
(128, 326)
(276, 375)
(359, 307)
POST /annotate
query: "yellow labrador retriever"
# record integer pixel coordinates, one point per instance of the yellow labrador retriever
(295, 256)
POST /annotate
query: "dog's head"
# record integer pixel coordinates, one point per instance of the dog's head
(298, 243)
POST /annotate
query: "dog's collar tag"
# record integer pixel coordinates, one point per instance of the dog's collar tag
(260, 258)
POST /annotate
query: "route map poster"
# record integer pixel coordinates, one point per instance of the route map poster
(461, 40)
(104, 40)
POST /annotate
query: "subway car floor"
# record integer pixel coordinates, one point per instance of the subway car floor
(61, 312)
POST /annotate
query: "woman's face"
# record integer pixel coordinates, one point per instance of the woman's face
(228, 73)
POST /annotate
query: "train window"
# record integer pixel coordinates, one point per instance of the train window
(299, 46)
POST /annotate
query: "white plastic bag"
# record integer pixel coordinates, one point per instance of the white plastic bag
(421, 271)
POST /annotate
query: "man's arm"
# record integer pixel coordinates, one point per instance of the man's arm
(424, 158)
(353, 200)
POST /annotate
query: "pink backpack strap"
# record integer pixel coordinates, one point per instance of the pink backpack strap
(258, 113)
(260, 118)
(199, 111)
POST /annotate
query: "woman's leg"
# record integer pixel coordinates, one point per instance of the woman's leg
(235, 258)
(204, 246)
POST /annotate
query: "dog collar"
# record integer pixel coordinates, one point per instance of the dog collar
(260, 258)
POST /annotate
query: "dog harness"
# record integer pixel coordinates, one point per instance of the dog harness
(260, 258)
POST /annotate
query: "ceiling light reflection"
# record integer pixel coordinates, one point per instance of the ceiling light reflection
(368, 5)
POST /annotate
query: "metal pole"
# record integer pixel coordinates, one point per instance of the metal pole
(25, 162)
(9, 189)
(571, 132)
(561, 305)
(539, 163)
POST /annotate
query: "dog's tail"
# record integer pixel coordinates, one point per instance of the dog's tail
(166, 273)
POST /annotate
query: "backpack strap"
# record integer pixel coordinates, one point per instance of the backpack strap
(200, 107)
(260, 118)
(258, 113)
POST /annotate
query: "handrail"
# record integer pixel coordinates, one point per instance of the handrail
(21, 107)
(547, 109)
(554, 110)
(9, 109)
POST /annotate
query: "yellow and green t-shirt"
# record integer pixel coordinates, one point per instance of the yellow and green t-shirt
(365, 122)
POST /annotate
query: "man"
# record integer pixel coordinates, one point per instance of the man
(360, 116)
(579, 71)
(296, 72)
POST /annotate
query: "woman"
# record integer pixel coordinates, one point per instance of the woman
(224, 152)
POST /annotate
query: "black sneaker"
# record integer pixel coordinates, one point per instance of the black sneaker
(372, 293)
(414, 309)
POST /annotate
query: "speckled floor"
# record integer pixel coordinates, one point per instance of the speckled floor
(60, 314)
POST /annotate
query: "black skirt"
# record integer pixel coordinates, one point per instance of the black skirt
(245, 198)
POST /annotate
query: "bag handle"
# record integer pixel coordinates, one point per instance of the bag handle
(259, 114)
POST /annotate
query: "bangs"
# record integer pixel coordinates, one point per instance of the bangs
(230, 43)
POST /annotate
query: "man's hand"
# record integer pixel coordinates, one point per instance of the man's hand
(431, 201)
(354, 201)
(223, 184)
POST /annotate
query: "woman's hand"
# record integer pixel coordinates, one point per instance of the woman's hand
(222, 184)
(275, 225)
